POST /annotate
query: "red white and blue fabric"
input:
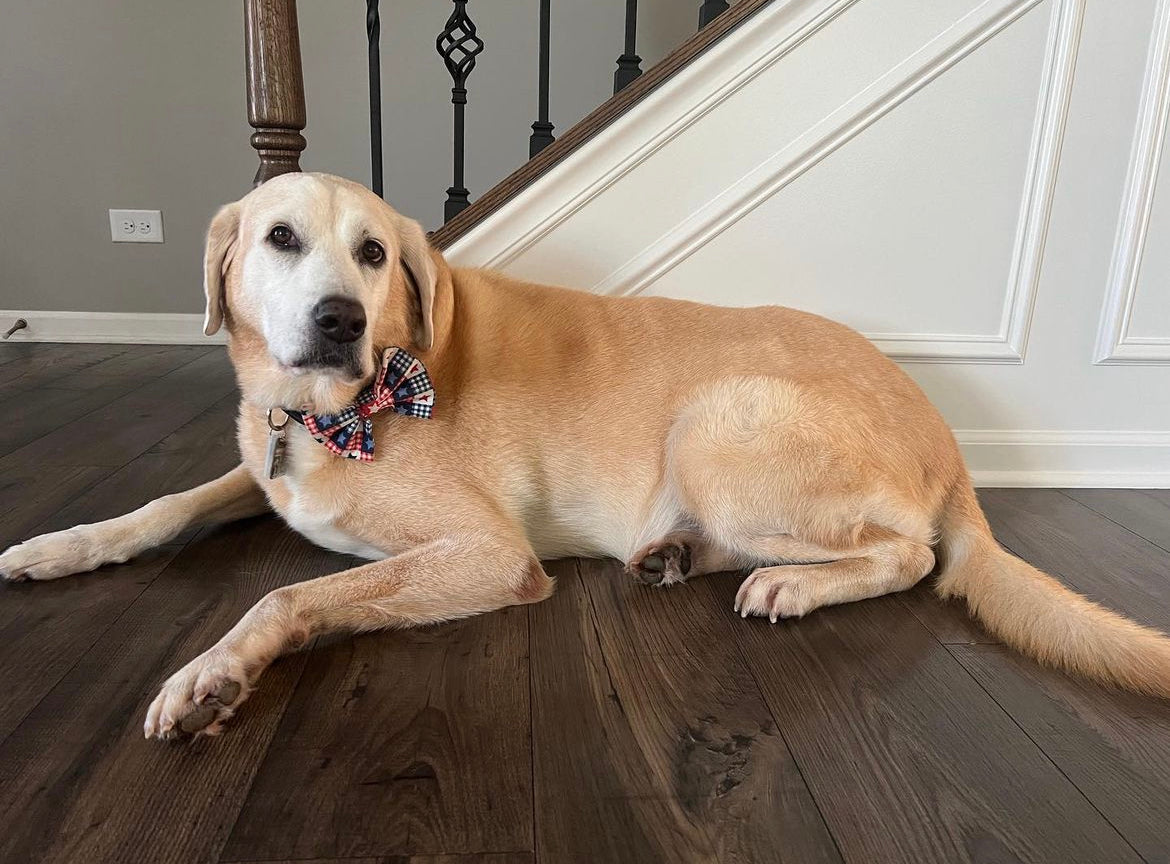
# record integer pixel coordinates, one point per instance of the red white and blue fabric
(402, 385)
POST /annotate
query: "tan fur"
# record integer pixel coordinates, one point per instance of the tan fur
(573, 424)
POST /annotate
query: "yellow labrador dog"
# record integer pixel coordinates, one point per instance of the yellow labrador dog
(682, 439)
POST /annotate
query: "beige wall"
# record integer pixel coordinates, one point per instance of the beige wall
(137, 104)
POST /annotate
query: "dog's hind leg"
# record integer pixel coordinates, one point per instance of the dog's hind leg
(452, 576)
(87, 547)
(799, 488)
(882, 563)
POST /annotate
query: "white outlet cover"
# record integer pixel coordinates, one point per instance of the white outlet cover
(136, 226)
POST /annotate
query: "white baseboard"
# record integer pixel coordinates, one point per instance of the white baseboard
(1049, 457)
(145, 328)
(1071, 479)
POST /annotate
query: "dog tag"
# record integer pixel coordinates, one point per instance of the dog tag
(274, 456)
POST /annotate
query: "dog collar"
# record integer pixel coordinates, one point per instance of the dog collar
(401, 385)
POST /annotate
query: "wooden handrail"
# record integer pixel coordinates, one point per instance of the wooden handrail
(593, 123)
(276, 89)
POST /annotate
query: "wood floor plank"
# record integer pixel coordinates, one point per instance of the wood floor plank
(42, 411)
(198, 451)
(701, 725)
(39, 362)
(647, 749)
(161, 359)
(948, 620)
(1145, 512)
(605, 807)
(30, 493)
(477, 858)
(78, 782)
(1114, 746)
(128, 426)
(83, 367)
(59, 384)
(906, 755)
(413, 742)
(46, 626)
(1089, 552)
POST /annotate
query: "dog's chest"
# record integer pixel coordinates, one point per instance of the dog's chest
(317, 524)
(310, 497)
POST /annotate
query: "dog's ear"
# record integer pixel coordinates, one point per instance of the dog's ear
(221, 247)
(416, 258)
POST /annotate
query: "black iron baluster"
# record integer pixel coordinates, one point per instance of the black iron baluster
(542, 129)
(373, 36)
(458, 45)
(709, 11)
(629, 63)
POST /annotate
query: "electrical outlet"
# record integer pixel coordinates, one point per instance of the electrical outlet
(136, 226)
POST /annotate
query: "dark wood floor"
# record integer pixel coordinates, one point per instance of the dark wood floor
(610, 723)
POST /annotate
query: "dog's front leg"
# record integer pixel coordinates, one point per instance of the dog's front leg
(235, 495)
(450, 577)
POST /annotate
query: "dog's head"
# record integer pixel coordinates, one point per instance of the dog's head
(313, 274)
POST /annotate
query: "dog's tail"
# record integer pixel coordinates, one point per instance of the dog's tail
(1035, 614)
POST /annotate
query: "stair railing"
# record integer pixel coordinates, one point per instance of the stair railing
(276, 92)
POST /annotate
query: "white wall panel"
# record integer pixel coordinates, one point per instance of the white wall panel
(1150, 319)
(889, 256)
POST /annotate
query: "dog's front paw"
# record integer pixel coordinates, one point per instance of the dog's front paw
(52, 556)
(200, 698)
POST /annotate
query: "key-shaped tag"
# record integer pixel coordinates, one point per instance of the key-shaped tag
(274, 457)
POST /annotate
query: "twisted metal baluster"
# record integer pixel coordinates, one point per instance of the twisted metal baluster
(542, 129)
(458, 45)
(373, 36)
(709, 11)
(629, 66)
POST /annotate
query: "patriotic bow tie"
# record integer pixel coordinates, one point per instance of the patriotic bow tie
(401, 385)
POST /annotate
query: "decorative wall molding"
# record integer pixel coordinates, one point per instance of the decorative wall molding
(1007, 344)
(162, 328)
(1114, 342)
(1051, 457)
(719, 73)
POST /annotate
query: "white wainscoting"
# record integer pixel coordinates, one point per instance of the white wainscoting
(1115, 342)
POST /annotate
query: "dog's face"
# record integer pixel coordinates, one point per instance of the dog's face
(314, 274)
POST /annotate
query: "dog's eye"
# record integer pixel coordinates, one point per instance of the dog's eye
(283, 236)
(373, 252)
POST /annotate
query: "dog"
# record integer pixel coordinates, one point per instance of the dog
(456, 426)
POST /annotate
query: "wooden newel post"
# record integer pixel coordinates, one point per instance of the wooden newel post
(276, 89)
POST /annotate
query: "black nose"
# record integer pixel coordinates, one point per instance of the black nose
(340, 319)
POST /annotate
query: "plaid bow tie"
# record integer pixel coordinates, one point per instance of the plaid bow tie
(402, 385)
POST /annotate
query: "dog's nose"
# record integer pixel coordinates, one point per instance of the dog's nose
(340, 319)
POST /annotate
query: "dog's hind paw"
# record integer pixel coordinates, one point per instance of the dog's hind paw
(199, 699)
(777, 592)
(663, 562)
